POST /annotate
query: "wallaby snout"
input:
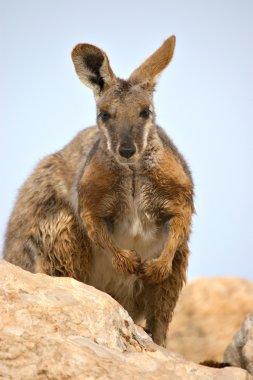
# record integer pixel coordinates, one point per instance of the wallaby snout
(127, 145)
(126, 149)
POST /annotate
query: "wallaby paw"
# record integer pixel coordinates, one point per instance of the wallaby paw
(126, 262)
(154, 271)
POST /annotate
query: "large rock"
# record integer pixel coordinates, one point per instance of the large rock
(58, 328)
(208, 314)
(240, 350)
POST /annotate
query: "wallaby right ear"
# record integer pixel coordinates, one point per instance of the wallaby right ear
(92, 67)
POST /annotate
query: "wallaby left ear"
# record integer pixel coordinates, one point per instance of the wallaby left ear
(150, 69)
(92, 67)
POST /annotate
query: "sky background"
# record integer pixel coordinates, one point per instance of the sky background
(204, 100)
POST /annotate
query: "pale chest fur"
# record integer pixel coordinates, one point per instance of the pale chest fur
(134, 228)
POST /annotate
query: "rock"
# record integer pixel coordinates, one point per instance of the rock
(209, 312)
(58, 328)
(240, 350)
(66, 307)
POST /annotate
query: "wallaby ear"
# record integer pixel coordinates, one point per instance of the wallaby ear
(92, 67)
(149, 71)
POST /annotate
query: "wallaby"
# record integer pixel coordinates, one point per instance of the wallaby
(113, 208)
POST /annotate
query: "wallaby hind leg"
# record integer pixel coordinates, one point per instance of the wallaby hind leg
(62, 247)
(161, 298)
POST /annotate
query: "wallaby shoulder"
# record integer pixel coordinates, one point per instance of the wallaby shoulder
(56, 172)
(171, 147)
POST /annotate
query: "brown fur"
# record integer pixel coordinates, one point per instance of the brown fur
(117, 221)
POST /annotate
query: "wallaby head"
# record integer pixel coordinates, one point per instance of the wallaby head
(125, 111)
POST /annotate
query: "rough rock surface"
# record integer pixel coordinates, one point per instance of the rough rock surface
(207, 316)
(58, 328)
(240, 350)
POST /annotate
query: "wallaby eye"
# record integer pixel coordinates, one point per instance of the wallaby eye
(104, 115)
(145, 113)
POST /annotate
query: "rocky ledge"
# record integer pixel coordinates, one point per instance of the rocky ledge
(58, 328)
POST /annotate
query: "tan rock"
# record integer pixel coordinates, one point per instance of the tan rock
(66, 307)
(240, 350)
(58, 328)
(208, 314)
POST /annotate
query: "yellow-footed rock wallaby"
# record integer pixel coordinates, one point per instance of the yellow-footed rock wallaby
(113, 208)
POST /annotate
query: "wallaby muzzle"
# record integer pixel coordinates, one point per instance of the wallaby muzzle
(127, 151)
(127, 148)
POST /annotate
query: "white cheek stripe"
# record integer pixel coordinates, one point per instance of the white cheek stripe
(147, 127)
(108, 141)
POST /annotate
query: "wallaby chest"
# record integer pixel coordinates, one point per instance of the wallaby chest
(136, 224)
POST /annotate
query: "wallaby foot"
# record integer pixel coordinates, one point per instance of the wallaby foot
(157, 329)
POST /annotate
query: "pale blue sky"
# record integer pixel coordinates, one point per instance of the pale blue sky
(204, 101)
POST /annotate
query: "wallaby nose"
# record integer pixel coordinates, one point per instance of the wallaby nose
(127, 151)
